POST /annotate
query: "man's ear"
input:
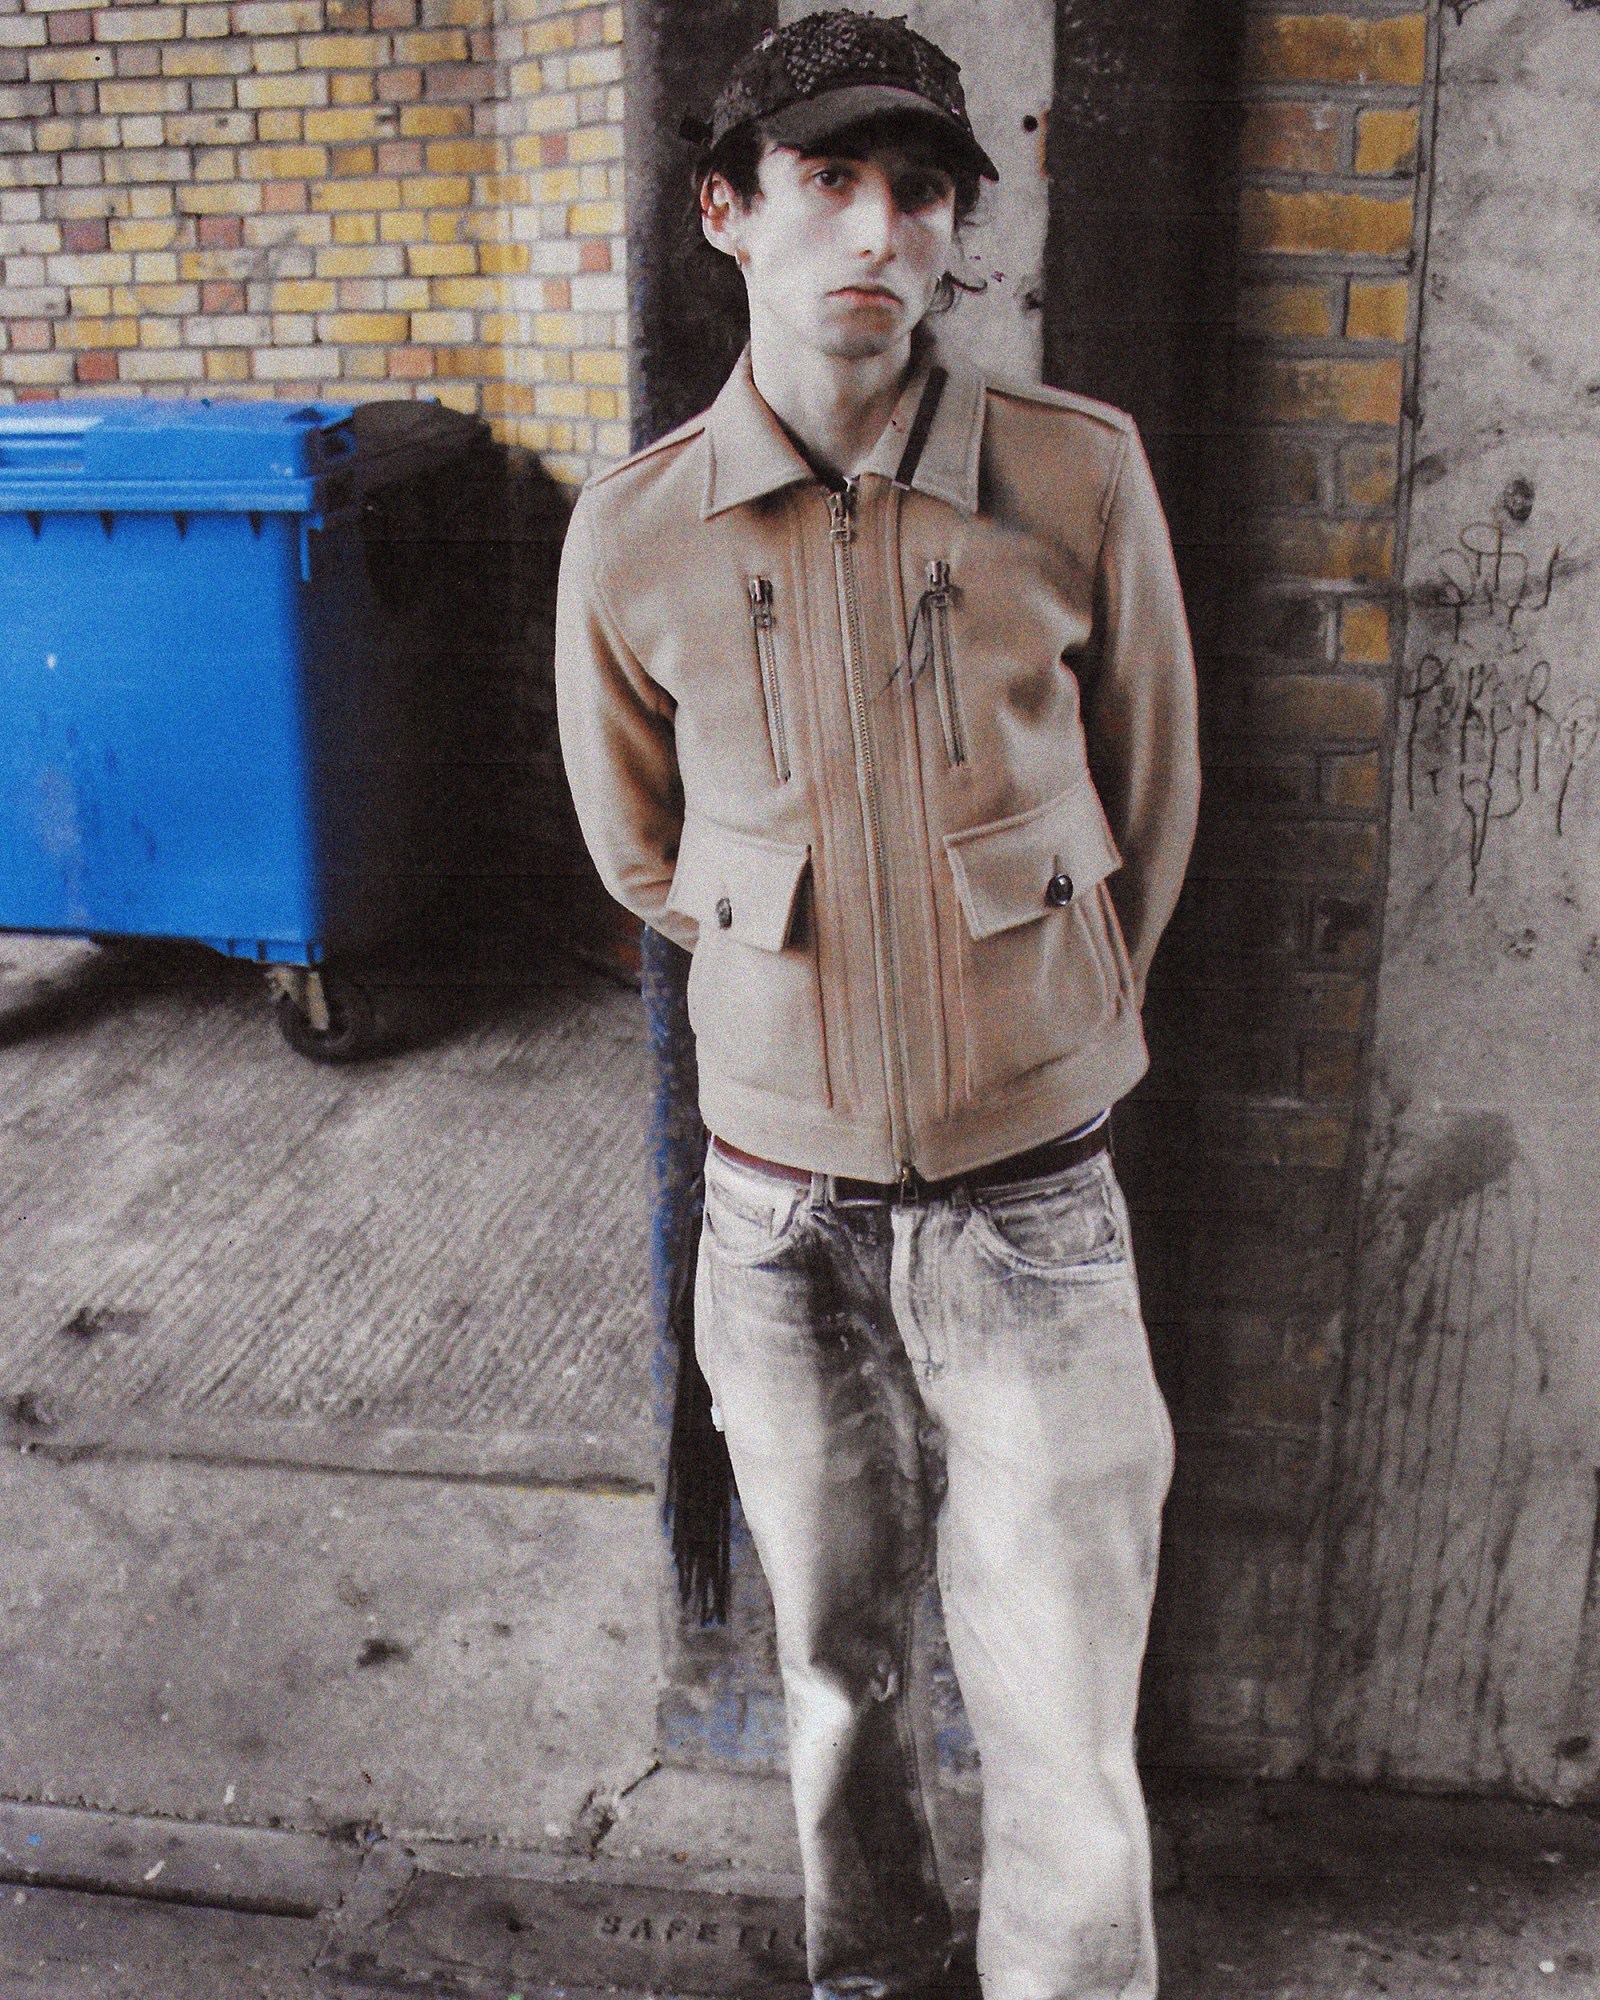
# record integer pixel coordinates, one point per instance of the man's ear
(720, 210)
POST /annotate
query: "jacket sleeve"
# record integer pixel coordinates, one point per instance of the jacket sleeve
(617, 741)
(1140, 709)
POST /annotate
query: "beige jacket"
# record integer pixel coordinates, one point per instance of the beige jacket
(840, 747)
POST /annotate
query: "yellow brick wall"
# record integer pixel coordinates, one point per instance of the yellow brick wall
(332, 198)
(1330, 150)
(1245, 1190)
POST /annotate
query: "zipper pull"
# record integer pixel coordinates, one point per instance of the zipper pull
(935, 610)
(907, 1187)
(935, 598)
(841, 504)
(763, 622)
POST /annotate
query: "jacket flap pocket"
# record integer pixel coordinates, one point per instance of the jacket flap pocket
(1015, 870)
(738, 883)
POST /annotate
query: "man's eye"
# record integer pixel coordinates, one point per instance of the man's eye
(830, 177)
(919, 191)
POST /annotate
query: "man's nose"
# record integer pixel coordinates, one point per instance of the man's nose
(872, 216)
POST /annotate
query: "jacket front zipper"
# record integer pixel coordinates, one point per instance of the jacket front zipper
(936, 600)
(841, 535)
(760, 588)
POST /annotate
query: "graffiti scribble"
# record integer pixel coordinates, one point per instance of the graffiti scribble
(1482, 578)
(1486, 731)
(1479, 719)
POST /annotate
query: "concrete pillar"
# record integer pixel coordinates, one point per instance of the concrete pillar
(1462, 1643)
(1138, 281)
(687, 327)
(1139, 290)
(684, 335)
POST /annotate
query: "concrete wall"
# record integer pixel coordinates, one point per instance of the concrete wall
(1463, 1642)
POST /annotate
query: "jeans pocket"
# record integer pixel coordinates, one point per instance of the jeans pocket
(1071, 1226)
(750, 1217)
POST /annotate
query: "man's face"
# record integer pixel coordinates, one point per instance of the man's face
(842, 254)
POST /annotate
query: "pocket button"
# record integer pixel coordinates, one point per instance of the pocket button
(1059, 891)
(724, 914)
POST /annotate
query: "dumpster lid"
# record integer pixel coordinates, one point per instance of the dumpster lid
(99, 453)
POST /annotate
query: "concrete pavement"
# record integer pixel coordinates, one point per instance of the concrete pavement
(1268, 1893)
(434, 1262)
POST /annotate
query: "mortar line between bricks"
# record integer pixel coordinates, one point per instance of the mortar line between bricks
(1313, 264)
(1382, 93)
(1347, 181)
(1355, 10)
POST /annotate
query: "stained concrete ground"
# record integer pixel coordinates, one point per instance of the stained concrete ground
(330, 1566)
(1275, 1891)
(434, 1261)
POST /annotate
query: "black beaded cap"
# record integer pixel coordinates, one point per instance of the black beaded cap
(835, 51)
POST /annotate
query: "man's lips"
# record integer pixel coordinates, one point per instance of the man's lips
(877, 295)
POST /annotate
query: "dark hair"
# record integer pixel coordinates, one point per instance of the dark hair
(738, 158)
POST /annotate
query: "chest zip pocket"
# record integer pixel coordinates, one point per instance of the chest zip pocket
(931, 628)
(761, 620)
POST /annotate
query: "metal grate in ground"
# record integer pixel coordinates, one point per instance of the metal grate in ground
(492, 1937)
(436, 1261)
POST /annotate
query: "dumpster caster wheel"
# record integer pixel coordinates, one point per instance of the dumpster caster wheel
(351, 1030)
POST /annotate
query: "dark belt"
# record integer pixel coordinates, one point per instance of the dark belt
(1055, 1156)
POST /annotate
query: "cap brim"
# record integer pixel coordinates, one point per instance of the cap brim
(810, 120)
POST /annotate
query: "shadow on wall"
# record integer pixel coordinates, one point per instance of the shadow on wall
(470, 554)
(1238, 1236)
(688, 301)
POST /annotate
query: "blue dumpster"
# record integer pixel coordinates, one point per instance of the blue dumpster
(203, 705)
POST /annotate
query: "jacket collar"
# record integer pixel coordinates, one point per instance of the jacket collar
(748, 453)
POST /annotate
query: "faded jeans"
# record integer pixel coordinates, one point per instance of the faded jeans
(970, 1371)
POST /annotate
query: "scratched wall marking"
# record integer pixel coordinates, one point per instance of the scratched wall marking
(1482, 718)
(1443, 1376)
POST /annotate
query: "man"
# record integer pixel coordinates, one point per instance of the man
(876, 694)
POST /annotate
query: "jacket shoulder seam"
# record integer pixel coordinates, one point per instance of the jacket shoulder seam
(1106, 415)
(684, 434)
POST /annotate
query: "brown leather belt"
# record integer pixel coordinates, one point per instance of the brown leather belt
(1055, 1156)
